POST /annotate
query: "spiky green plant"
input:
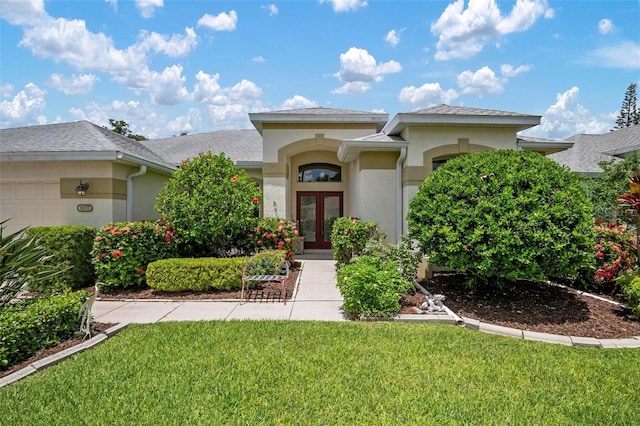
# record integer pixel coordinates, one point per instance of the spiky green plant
(20, 259)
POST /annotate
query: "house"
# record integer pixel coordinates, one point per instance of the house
(313, 164)
(588, 151)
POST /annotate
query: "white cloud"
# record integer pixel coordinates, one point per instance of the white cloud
(482, 82)
(625, 55)
(24, 108)
(393, 37)
(208, 90)
(6, 90)
(221, 22)
(605, 26)
(508, 71)
(258, 59)
(272, 9)
(353, 88)
(463, 33)
(148, 7)
(74, 85)
(142, 117)
(485, 81)
(245, 91)
(427, 94)
(167, 88)
(233, 116)
(567, 117)
(185, 123)
(23, 12)
(174, 47)
(297, 102)
(358, 67)
(345, 5)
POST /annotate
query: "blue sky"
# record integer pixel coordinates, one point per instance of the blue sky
(169, 66)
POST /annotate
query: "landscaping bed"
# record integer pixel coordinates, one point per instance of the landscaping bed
(531, 306)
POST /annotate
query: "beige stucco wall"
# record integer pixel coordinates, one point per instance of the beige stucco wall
(375, 190)
(43, 193)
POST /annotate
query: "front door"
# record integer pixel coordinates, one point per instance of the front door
(316, 213)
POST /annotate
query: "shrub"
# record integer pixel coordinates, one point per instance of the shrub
(371, 287)
(274, 233)
(402, 254)
(614, 253)
(503, 215)
(122, 251)
(27, 327)
(630, 285)
(201, 274)
(349, 236)
(604, 189)
(68, 246)
(267, 262)
(213, 204)
(20, 264)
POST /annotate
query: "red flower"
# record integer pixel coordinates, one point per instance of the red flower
(280, 245)
(600, 255)
(234, 179)
(116, 254)
(255, 200)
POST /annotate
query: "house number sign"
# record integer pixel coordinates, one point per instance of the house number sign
(85, 208)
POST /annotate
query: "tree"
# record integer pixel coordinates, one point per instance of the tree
(212, 204)
(122, 127)
(629, 112)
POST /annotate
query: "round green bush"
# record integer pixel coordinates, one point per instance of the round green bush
(503, 215)
(371, 287)
(213, 205)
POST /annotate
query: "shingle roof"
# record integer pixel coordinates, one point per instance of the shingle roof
(320, 111)
(239, 145)
(319, 115)
(75, 137)
(589, 150)
(458, 110)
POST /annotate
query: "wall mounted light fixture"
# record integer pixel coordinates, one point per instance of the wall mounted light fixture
(81, 190)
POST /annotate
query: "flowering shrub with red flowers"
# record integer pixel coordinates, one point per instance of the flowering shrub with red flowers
(614, 251)
(213, 204)
(122, 251)
(275, 233)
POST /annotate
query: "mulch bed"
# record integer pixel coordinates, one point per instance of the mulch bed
(261, 292)
(532, 306)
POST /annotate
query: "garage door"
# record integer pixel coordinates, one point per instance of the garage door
(33, 203)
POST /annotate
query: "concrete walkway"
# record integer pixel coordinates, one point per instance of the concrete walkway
(316, 298)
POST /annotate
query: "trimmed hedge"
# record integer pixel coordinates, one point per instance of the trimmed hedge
(502, 216)
(267, 262)
(201, 274)
(70, 247)
(27, 327)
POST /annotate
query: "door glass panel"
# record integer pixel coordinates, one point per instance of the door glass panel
(308, 217)
(331, 213)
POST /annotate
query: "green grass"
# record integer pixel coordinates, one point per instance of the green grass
(380, 373)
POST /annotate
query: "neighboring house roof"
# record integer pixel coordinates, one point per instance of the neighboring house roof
(80, 140)
(318, 115)
(242, 146)
(589, 150)
(461, 116)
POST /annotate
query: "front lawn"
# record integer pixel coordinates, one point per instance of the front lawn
(327, 373)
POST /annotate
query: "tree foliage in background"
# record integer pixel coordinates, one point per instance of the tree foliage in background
(502, 216)
(213, 206)
(603, 190)
(629, 112)
(122, 127)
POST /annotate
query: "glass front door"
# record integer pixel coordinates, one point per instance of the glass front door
(316, 213)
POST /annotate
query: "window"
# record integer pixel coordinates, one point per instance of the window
(319, 172)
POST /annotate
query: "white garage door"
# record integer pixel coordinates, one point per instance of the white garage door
(33, 203)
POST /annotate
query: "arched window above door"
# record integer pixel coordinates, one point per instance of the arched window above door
(319, 172)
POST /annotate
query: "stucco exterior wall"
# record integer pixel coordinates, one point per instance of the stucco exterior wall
(145, 194)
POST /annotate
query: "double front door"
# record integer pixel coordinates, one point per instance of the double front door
(316, 213)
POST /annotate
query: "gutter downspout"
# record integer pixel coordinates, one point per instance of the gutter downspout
(143, 171)
(399, 210)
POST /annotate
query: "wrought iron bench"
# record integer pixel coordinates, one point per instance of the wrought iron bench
(281, 278)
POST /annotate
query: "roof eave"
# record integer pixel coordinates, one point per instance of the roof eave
(350, 149)
(547, 147)
(403, 120)
(259, 118)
